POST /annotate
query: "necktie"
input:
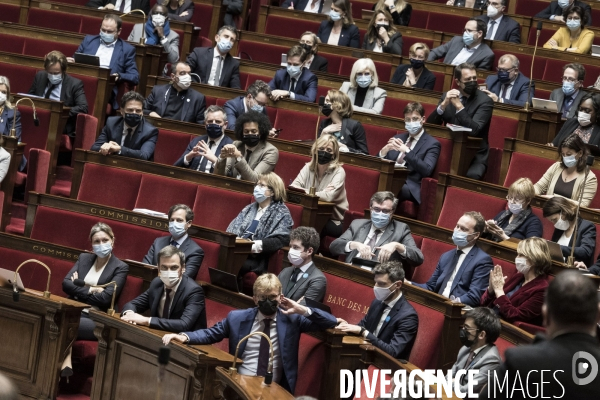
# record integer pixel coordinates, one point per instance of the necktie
(202, 166)
(469, 359)
(174, 243)
(218, 72)
(505, 91)
(165, 313)
(491, 30)
(450, 271)
(49, 91)
(264, 351)
(127, 142)
(122, 7)
(292, 281)
(567, 105)
(248, 152)
(373, 242)
(400, 159)
(292, 85)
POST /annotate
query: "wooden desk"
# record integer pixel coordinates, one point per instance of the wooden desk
(128, 353)
(250, 387)
(36, 333)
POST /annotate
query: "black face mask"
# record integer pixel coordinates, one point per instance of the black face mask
(213, 130)
(324, 157)
(307, 47)
(463, 335)
(268, 307)
(327, 110)
(387, 27)
(132, 119)
(251, 141)
(470, 87)
(416, 64)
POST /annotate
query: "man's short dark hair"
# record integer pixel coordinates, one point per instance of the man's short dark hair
(414, 106)
(481, 25)
(308, 236)
(485, 319)
(229, 28)
(175, 64)
(189, 213)
(459, 68)
(259, 87)
(115, 18)
(479, 220)
(56, 57)
(585, 18)
(213, 109)
(572, 299)
(393, 269)
(169, 251)
(297, 51)
(131, 96)
(264, 125)
(580, 69)
(380, 197)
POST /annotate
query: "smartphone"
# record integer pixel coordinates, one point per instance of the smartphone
(483, 87)
(284, 60)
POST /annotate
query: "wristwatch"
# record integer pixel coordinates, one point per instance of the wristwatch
(362, 330)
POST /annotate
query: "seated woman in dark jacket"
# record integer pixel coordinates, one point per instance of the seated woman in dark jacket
(400, 10)
(561, 212)
(521, 297)
(314, 62)
(381, 36)
(180, 10)
(518, 221)
(89, 271)
(416, 73)
(585, 125)
(339, 28)
(267, 222)
(350, 133)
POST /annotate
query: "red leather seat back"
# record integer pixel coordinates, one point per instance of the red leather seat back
(159, 193)
(526, 166)
(503, 344)
(90, 86)
(359, 195)
(34, 136)
(529, 7)
(303, 127)
(20, 78)
(378, 136)
(450, 23)
(348, 300)
(311, 361)
(458, 201)
(501, 128)
(10, 13)
(333, 62)
(211, 257)
(10, 43)
(216, 312)
(109, 186)
(55, 20)
(37, 172)
(251, 78)
(170, 146)
(547, 225)
(296, 213)
(445, 159)
(206, 206)
(434, 250)
(264, 52)
(393, 108)
(202, 17)
(132, 289)
(291, 28)
(358, 6)
(419, 19)
(545, 35)
(39, 48)
(431, 325)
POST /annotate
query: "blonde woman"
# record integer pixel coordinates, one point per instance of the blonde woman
(182, 10)
(325, 173)
(381, 36)
(416, 73)
(7, 112)
(400, 10)
(362, 89)
(339, 28)
(349, 133)
(310, 43)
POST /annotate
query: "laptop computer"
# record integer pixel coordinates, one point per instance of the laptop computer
(87, 59)
(7, 278)
(364, 263)
(544, 104)
(315, 304)
(223, 279)
(596, 50)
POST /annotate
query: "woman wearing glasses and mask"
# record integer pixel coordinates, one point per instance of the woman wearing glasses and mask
(518, 220)
(573, 37)
(325, 173)
(267, 222)
(250, 155)
(585, 124)
(362, 89)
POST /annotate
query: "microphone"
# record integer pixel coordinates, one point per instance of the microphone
(537, 37)
(143, 38)
(269, 376)
(588, 163)
(36, 121)
(111, 310)
(321, 105)
(16, 293)
(164, 354)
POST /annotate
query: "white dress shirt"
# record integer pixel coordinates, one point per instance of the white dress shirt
(564, 239)
(309, 8)
(105, 52)
(464, 55)
(213, 68)
(252, 349)
(127, 7)
(461, 258)
(494, 27)
(213, 149)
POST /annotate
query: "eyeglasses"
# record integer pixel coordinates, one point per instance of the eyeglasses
(505, 69)
(260, 103)
(569, 79)
(515, 200)
(382, 210)
(271, 297)
(467, 328)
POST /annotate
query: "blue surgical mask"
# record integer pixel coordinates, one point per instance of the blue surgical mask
(413, 127)
(224, 45)
(257, 108)
(568, 88)
(460, 238)
(515, 208)
(504, 77)
(573, 24)
(294, 70)
(102, 250)
(569, 161)
(176, 229)
(107, 37)
(259, 194)
(55, 79)
(468, 38)
(563, 3)
(364, 80)
(380, 219)
(335, 16)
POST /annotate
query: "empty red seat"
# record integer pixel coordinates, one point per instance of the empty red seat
(20, 77)
(433, 250)
(216, 312)
(359, 195)
(109, 186)
(431, 326)
(55, 20)
(10, 13)
(170, 146)
(334, 62)
(501, 128)
(347, 299)
(159, 193)
(545, 35)
(251, 78)
(445, 159)
(458, 201)
(394, 107)
(378, 136)
(287, 27)
(303, 127)
(263, 52)
(503, 344)
(211, 256)
(526, 166)
(39, 48)
(311, 361)
(446, 23)
(529, 7)
(207, 206)
(202, 17)
(133, 288)
(419, 19)
(10, 43)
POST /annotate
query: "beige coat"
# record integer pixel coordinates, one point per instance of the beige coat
(374, 99)
(332, 188)
(262, 160)
(547, 183)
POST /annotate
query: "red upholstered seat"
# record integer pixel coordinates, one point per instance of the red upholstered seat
(526, 166)
(419, 19)
(501, 128)
(34, 136)
(206, 199)
(445, 159)
(251, 78)
(311, 361)
(547, 225)
(172, 191)
(533, 329)
(492, 174)
(10, 43)
(202, 17)
(458, 201)
(333, 62)
(296, 213)
(20, 77)
(503, 345)
(39, 48)
(289, 165)
(348, 299)
(131, 290)
(90, 85)
(303, 127)
(431, 324)
(109, 186)
(359, 195)
(264, 52)
(357, 7)
(170, 146)
(37, 171)
(211, 257)
(545, 35)
(393, 108)
(529, 7)
(211, 101)
(447, 23)
(216, 312)
(55, 20)
(378, 136)
(291, 28)
(10, 13)
(433, 249)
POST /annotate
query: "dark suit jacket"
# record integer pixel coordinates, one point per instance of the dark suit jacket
(193, 106)
(482, 58)
(193, 254)
(201, 59)
(187, 310)
(535, 360)
(595, 269)
(238, 324)
(349, 37)
(400, 18)
(569, 127)
(319, 64)
(479, 4)
(300, 5)
(555, 9)
(234, 108)
(559, 97)
(306, 85)
(476, 115)
(188, 5)
(144, 138)
(143, 5)
(353, 134)
(397, 334)
(471, 279)
(425, 81)
(312, 287)
(420, 161)
(485, 362)
(71, 94)
(518, 94)
(394, 46)
(509, 30)
(197, 160)
(586, 242)
(525, 305)
(531, 227)
(6, 123)
(115, 270)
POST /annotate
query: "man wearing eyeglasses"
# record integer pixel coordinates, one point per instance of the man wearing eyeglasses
(499, 26)
(280, 318)
(509, 86)
(467, 48)
(256, 99)
(570, 94)
(556, 8)
(381, 238)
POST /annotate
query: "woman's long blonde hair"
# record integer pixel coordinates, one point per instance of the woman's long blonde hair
(4, 81)
(323, 141)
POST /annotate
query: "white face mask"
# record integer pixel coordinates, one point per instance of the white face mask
(383, 293)
(295, 257)
(158, 20)
(584, 118)
(185, 81)
(521, 264)
(492, 11)
(169, 278)
(2, 98)
(562, 224)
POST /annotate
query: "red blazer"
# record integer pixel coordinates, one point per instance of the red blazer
(524, 305)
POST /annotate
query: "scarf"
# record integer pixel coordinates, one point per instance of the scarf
(151, 36)
(516, 222)
(276, 220)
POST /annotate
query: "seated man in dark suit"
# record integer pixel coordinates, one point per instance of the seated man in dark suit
(303, 279)
(283, 326)
(295, 82)
(468, 48)
(415, 150)
(381, 238)
(462, 274)
(569, 96)
(175, 301)
(174, 100)
(180, 220)
(256, 99)
(555, 10)
(569, 349)
(391, 323)
(469, 107)
(500, 27)
(214, 65)
(55, 84)
(509, 86)
(121, 6)
(114, 53)
(477, 335)
(203, 152)
(128, 135)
